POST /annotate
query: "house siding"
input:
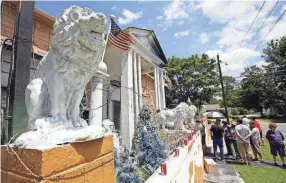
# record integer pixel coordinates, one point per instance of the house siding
(149, 94)
(43, 25)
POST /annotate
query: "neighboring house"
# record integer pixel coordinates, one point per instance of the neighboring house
(216, 107)
(130, 84)
(212, 107)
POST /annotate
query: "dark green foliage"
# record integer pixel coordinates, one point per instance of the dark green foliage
(193, 77)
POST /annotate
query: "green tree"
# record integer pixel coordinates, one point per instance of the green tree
(275, 55)
(194, 77)
(253, 86)
(233, 91)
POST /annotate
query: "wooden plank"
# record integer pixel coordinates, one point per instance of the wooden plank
(8, 29)
(9, 19)
(8, 24)
(42, 36)
(6, 33)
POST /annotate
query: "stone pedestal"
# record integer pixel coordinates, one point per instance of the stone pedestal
(83, 162)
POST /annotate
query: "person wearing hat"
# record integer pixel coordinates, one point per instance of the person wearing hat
(217, 137)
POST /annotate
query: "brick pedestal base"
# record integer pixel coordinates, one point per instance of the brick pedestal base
(83, 162)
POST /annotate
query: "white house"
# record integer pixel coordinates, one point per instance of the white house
(130, 83)
(127, 71)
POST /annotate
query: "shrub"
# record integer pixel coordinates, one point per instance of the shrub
(234, 111)
(242, 111)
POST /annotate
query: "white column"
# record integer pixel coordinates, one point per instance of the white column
(135, 87)
(163, 105)
(95, 112)
(127, 112)
(105, 99)
(139, 74)
(156, 78)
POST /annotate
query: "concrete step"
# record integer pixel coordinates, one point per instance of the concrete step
(210, 166)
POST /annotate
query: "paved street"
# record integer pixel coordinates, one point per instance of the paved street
(281, 127)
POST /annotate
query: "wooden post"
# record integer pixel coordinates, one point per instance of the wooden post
(21, 77)
(222, 87)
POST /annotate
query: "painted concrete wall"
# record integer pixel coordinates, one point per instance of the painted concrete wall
(188, 167)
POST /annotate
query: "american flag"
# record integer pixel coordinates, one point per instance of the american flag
(119, 38)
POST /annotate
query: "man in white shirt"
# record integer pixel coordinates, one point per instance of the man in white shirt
(243, 143)
(245, 121)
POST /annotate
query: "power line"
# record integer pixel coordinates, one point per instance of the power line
(249, 29)
(271, 29)
(263, 22)
(252, 23)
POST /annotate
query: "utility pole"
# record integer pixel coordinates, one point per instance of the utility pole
(22, 59)
(222, 87)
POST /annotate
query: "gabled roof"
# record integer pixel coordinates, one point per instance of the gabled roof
(149, 40)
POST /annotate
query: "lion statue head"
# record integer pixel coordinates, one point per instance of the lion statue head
(79, 36)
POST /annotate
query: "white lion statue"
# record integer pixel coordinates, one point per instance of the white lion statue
(192, 111)
(54, 95)
(176, 116)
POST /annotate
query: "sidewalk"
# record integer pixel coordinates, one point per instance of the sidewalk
(226, 174)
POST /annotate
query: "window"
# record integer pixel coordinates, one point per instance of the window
(116, 113)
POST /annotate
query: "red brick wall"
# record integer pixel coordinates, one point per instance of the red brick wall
(148, 93)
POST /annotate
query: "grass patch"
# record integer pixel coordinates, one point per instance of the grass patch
(266, 152)
(144, 174)
(255, 174)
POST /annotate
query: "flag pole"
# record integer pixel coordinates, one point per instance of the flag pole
(112, 17)
(97, 87)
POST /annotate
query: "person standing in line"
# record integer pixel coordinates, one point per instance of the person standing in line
(217, 137)
(227, 138)
(201, 127)
(243, 143)
(255, 141)
(257, 124)
(234, 141)
(276, 141)
(245, 121)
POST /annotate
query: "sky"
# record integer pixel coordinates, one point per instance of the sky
(185, 28)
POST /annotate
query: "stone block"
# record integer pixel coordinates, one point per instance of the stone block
(82, 162)
(210, 166)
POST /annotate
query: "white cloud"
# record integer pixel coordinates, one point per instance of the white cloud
(194, 6)
(260, 64)
(129, 16)
(204, 38)
(181, 34)
(283, 9)
(236, 59)
(231, 36)
(159, 17)
(180, 22)
(223, 11)
(237, 17)
(114, 8)
(277, 32)
(164, 29)
(176, 10)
